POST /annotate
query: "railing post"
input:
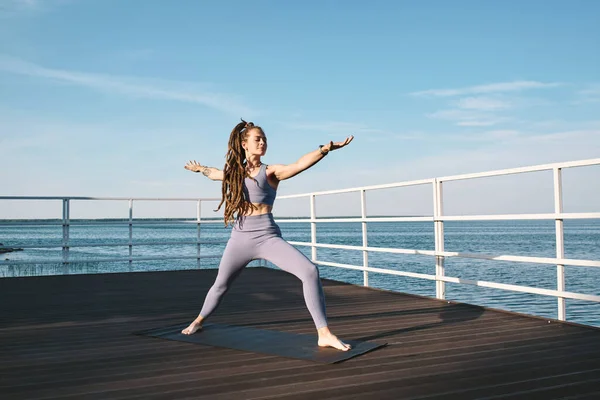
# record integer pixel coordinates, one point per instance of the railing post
(560, 243)
(65, 230)
(130, 233)
(198, 215)
(313, 228)
(363, 208)
(438, 226)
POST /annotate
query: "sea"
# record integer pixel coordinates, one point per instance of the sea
(522, 238)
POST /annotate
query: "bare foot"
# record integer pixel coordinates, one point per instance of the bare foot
(331, 340)
(193, 328)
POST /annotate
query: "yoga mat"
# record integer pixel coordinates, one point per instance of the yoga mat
(284, 344)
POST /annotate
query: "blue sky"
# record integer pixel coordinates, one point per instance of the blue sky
(111, 98)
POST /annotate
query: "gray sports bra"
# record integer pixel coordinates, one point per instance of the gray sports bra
(258, 190)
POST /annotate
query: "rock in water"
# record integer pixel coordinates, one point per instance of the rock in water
(8, 249)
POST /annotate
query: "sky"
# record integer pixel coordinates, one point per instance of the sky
(111, 98)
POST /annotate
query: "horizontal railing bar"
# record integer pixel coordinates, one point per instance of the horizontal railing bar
(498, 217)
(356, 219)
(142, 222)
(526, 259)
(205, 221)
(101, 260)
(512, 217)
(494, 285)
(379, 270)
(523, 289)
(507, 217)
(110, 198)
(134, 244)
(31, 223)
(362, 248)
(520, 170)
(219, 221)
(372, 187)
(107, 223)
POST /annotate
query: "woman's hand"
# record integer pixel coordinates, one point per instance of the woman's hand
(337, 145)
(210, 172)
(193, 166)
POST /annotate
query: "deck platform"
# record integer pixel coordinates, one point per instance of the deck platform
(70, 337)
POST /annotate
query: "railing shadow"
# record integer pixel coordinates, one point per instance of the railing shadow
(448, 314)
(452, 314)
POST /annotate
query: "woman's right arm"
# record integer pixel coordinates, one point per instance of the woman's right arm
(210, 172)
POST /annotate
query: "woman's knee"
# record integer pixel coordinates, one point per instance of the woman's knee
(309, 273)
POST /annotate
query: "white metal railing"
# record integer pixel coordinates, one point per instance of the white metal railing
(66, 223)
(438, 218)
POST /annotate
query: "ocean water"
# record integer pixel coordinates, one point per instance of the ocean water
(526, 238)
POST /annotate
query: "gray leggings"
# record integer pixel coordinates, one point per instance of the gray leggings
(259, 237)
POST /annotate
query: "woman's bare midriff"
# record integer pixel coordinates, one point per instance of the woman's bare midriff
(259, 209)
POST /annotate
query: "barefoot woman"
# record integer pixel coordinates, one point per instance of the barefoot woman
(248, 191)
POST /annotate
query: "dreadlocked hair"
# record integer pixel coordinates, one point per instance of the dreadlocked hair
(234, 172)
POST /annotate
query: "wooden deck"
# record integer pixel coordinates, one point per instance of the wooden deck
(70, 337)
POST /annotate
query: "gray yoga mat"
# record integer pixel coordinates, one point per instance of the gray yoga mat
(284, 344)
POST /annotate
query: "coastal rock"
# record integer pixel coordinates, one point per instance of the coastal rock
(8, 249)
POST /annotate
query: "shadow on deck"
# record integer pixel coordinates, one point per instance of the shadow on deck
(70, 337)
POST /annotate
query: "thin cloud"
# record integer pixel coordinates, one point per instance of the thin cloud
(127, 86)
(591, 90)
(467, 117)
(487, 104)
(573, 135)
(482, 137)
(15, 8)
(500, 134)
(521, 137)
(163, 183)
(589, 95)
(496, 136)
(488, 122)
(19, 5)
(489, 88)
(138, 54)
(332, 126)
(483, 103)
(369, 134)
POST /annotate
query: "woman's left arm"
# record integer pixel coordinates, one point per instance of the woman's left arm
(283, 172)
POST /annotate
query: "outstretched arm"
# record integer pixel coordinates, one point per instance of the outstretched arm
(210, 172)
(283, 172)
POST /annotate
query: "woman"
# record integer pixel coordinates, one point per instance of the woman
(248, 191)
